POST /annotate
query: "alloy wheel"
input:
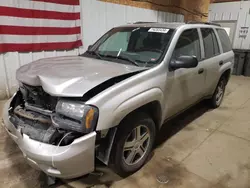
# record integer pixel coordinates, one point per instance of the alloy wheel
(136, 145)
(219, 93)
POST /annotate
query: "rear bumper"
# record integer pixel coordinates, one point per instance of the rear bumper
(70, 161)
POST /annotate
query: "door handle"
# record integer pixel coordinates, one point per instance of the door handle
(221, 63)
(200, 71)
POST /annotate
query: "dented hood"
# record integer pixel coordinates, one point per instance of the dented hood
(71, 76)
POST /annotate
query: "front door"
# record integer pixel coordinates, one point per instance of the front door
(185, 86)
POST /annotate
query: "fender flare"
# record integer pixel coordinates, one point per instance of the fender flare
(125, 108)
(135, 102)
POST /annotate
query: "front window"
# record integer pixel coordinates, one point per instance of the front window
(188, 44)
(141, 46)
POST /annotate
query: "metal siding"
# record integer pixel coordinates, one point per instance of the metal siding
(246, 41)
(232, 8)
(245, 14)
(180, 18)
(234, 16)
(226, 16)
(97, 18)
(218, 16)
(233, 11)
(109, 15)
(240, 23)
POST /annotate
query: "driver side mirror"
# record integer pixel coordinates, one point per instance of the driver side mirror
(89, 47)
(184, 62)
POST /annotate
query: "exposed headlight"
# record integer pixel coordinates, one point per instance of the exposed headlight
(76, 116)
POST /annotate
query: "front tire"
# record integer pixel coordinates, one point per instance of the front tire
(133, 143)
(218, 95)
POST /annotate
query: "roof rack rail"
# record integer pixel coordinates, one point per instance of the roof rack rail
(207, 23)
(140, 22)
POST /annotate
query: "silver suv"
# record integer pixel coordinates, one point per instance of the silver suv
(110, 102)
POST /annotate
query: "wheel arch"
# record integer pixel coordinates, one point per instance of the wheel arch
(146, 101)
(152, 109)
(226, 74)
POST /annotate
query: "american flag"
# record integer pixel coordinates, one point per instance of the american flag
(38, 25)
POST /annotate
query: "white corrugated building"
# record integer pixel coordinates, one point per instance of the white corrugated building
(235, 17)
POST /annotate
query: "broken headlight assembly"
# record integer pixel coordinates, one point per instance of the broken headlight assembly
(75, 116)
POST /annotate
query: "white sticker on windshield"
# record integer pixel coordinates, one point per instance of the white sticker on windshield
(158, 30)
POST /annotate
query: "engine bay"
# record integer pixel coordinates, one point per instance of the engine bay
(31, 112)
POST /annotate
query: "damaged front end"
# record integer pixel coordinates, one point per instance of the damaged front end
(49, 119)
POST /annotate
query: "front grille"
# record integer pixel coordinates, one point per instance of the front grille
(36, 96)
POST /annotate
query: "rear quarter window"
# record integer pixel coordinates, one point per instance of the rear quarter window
(225, 41)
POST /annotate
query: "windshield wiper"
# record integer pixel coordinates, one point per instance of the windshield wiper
(95, 53)
(123, 58)
(128, 59)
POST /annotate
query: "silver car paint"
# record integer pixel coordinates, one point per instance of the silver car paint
(173, 90)
(70, 76)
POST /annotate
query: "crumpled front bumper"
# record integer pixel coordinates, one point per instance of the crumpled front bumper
(66, 162)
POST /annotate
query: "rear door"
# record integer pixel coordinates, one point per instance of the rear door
(211, 59)
(226, 47)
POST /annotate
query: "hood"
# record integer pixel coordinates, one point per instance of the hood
(71, 76)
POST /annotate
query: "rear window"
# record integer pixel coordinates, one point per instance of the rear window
(225, 41)
(211, 46)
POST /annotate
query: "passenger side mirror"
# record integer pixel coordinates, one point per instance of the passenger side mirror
(184, 62)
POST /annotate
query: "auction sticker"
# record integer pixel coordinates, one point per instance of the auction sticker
(158, 30)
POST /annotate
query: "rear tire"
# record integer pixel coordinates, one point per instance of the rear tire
(218, 95)
(133, 143)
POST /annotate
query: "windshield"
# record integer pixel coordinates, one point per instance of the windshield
(141, 46)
